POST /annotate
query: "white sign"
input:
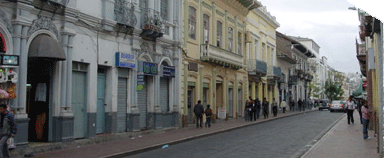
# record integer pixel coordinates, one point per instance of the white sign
(221, 112)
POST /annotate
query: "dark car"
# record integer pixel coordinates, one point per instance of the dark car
(323, 104)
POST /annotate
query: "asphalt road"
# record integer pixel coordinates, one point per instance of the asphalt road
(284, 138)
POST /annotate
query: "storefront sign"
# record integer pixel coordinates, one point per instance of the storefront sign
(168, 71)
(125, 60)
(10, 60)
(148, 68)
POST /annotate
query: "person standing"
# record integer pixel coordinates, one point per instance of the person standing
(265, 105)
(258, 108)
(283, 106)
(9, 130)
(350, 106)
(208, 113)
(365, 119)
(248, 108)
(359, 108)
(274, 107)
(303, 104)
(199, 110)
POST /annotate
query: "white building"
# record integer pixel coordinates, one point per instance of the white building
(92, 66)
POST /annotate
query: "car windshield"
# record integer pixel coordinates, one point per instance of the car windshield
(336, 102)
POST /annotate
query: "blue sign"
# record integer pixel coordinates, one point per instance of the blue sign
(168, 71)
(125, 60)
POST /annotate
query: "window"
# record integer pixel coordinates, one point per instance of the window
(167, 29)
(219, 34)
(239, 44)
(231, 45)
(206, 28)
(263, 51)
(165, 9)
(192, 23)
(256, 49)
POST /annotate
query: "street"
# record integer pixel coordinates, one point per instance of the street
(278, 138)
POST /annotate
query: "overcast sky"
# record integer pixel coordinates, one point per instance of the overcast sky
(328, 22)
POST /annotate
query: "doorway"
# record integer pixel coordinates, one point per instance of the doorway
(38, 98)
(191, 100)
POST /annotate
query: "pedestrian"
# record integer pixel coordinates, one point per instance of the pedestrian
(365, 119)
(247, 108)
(299, 104)
(350, 106)
(252, 111)
(199, 110)
(9, 130)
(258, 108)
(274, 107)
(359, 108)
(303, 104)
(283, 106)
(292, 104)
(265, 105)
(208, 113)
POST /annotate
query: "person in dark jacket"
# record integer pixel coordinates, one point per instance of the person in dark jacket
(274, 107)
(258, 108)
(299, 104)
(9, 130)
(208, 113)
(248, 107)
(199, 110)
(292, 104)
(252, 111)
(265, 105)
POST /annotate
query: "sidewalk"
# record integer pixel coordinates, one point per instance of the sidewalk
(344, 140)
(129, 143)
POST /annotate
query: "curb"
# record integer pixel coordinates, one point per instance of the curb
(157, 146)
(304, 150)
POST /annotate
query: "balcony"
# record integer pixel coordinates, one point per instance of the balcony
(257, 68)
(274, 74)
(293, 80)
(219, 56)
(361, 53)
(151, 23)
(124, 12)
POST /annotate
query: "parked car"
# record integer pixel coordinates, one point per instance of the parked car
(337, 105)
(323, 104)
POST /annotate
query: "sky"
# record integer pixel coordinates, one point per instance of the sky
(328, 22)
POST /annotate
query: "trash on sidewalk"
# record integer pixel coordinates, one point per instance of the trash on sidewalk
(165, 146)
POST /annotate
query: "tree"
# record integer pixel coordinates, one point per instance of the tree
(314, 88)
(333, 90)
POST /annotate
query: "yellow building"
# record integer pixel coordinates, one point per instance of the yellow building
(214, 56)
(261, 55)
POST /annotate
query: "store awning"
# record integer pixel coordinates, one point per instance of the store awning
(44, 46)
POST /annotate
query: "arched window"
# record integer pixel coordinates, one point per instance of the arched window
(3, 47)
(219, 34)
(206, 25)
(231, 44)
(192, 23)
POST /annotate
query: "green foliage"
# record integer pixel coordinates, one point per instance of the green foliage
(333, 90)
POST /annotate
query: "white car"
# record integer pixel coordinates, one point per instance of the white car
(337, 105)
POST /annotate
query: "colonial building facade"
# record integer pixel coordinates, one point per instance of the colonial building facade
(263, 72)
(87, 67)
(214, 56)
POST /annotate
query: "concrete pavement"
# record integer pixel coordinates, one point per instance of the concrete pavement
(131, 144)
(344, 140)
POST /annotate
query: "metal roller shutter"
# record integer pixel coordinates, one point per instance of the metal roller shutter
(164, 94)
(121, 104)
(142, 105)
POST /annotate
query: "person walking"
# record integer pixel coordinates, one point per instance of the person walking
(265, 105)
(303, 105)
(208, 113)
(247, 108)
(258, 108)
(9, 130)
(292, 104)
(274, 107)
(365, 119)
(283, 106)
(299, 104)
(199, 110)
(350, 106)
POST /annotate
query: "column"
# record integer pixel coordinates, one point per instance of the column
(185, 95)
(253, 91)
(200, 83)
(260, 85)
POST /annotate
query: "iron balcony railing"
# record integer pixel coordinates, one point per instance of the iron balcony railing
(151, 19)
(257, 67)
(219, 56)
(274, 72)
(124, 12)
